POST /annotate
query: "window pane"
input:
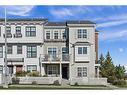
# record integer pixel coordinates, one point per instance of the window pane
(9, 49)
(47, 34)
(82, 71)
(64, 34)
(31, 51)
(1, 51)
(19, 49)
(18, 29)
(84, 50)
(79, 50)
(30, 31)
(31, 68)
(56, 35)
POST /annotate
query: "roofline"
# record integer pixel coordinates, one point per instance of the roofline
(24, 19)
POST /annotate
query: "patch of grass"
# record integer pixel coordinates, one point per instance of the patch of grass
(90, 85)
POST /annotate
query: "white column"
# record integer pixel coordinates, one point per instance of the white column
(14, 69)
(98, 71)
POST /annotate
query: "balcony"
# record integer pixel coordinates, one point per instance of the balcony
(55, 58)
(55, 40)
(17, 35)
(8, 35)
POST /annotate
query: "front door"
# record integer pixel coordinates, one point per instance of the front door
(64, 72)
(18, 68)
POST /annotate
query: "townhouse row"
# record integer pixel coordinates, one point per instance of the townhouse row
(64, 49)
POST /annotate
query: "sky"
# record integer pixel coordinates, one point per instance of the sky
(111, 22)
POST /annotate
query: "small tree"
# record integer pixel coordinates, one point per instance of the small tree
(107, 69)
(120, 72)
(102, 65)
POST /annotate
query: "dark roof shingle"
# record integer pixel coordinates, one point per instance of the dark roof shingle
(24, 19)
(55, 24)
(79, 22)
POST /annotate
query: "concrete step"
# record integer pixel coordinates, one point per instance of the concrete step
(65, 82)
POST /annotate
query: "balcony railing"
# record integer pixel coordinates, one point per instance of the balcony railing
(55, 40)
(17, 35)
(54, 58)
(8, 35)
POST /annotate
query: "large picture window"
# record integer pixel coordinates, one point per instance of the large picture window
(30, 31)
(82, 71)
(31, 51)
(52, 69)
(82, 33)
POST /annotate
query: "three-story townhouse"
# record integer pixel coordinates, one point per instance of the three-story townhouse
(55, 59)
(24, 44)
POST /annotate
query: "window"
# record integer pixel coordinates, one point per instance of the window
(18, 29)
(47, 34)
(64, 36)
(82, 71)
(8, 29)
(56, 35)
(19, 49)
(31, 51)
(52, 51)
(1, 69)
(1, 51)
(65, 50)
(82, 33)
(31, 68)
(30, 31)
(82, 50)
(9, 49)
(52, 69)
(65, 54)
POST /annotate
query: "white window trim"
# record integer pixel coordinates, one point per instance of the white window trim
(82, 72)
(48, 32)
(56, 31)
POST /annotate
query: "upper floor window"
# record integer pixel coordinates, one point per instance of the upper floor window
(82, 71)
(19, 49)
(8, 29)
(82, 33)
(9, 49)
(56, 35)
(30, 31)
(64, 35)
(1, 51)
(82, 50)
(65, 50)
(52, 51)
(18, 29)
(31, 51)
(47, 34)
